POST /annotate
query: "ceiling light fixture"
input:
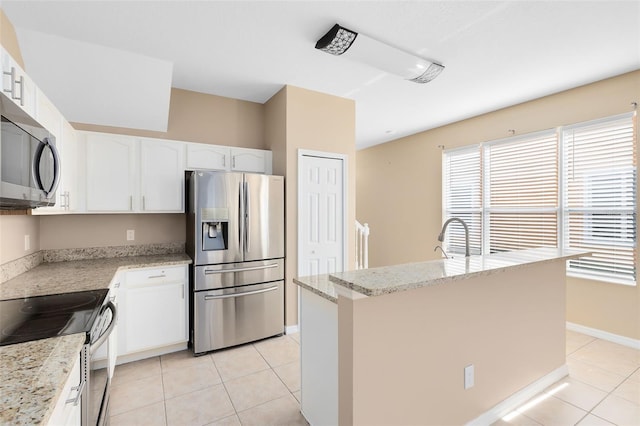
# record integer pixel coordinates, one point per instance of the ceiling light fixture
(340, 40)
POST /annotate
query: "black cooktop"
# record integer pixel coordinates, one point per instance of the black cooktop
(39, 317)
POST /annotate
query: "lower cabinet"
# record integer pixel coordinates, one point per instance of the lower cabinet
(153, 306)
(68, 409)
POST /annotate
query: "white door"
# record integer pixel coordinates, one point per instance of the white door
(321, 215)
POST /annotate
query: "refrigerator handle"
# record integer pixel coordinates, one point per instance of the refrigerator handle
(241, 216)
(247, 209)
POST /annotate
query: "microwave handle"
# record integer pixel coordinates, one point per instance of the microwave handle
(56, 167)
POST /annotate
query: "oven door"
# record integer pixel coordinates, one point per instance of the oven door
(99, 378)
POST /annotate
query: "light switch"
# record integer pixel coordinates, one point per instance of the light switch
(468, 376)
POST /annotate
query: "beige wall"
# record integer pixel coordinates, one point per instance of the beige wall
(203, 118)
(303, 119)
(406, 367)
(9, 40)
(13, 229)
(399, 190)
(102, 230)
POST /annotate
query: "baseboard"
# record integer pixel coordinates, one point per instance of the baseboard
(517, 399)
(290, 329)
(124, 359)
(604, 335)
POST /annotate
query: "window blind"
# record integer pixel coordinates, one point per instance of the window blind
(521, 193)
(462, 181)
(600, 163)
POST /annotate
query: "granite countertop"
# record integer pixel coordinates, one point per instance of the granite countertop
(390, 279)
(80, 275)
(320, 285)
(32, 376)
(33, 373)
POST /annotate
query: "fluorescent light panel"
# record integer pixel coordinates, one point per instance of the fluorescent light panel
(343, 41)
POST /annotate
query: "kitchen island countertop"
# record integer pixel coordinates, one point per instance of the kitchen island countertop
(391, 279)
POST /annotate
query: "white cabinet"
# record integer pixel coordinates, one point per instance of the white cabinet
(153, 305)
(215, 157)
(208, 157)
(16, 84)
(161, 175)
(68, 408)
(129, 174)
(110, 176)
(250, 160)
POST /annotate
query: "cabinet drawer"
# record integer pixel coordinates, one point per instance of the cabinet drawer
(156, 275)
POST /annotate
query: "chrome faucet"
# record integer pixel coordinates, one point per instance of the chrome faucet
(466, 233)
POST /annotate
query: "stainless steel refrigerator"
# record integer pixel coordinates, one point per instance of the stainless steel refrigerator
(235, 236)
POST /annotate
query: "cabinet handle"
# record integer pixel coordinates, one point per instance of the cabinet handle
(14, 82)
(78, 388)
(157, 276)
(116, 285)
(130, 202)
(233, 161)
(143, 204)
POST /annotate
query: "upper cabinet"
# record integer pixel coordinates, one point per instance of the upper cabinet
(16, 84)
(125, 174)
(161, 175)
(110, 173)
(215, 157)
(250, 160)
(208, 157)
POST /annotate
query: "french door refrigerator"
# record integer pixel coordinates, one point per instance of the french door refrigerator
(235, 236)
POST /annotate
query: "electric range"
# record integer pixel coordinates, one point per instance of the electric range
(40, 317)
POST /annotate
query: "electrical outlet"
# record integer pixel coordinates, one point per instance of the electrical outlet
(469, 376)
(131, 234)
(27, 242)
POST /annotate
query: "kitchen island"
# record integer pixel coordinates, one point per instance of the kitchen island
(392, 345)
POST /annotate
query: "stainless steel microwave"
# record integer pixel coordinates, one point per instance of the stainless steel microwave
(29, 160)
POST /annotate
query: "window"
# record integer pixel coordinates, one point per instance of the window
(521, 205)
(600, 198)
(573, 188)
(463, 198)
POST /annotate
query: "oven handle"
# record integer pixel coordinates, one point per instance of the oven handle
(246, 293)
(104, 336)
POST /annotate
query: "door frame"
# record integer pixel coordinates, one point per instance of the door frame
(345, 180)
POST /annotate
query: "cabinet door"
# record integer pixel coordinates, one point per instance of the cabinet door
(65, 412)
(248, 160)
(110, 179)
(154, 316)
(22, 90)
(208, 157)
(162, 176)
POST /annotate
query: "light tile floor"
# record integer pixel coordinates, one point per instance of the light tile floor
(259, 384)
(253, 384)
(603, 388)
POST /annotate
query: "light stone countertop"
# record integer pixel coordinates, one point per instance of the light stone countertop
(390, 279)
(320, 285)
(32, 375)
(80, 275)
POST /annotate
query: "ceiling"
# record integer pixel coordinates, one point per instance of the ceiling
(495, 53)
